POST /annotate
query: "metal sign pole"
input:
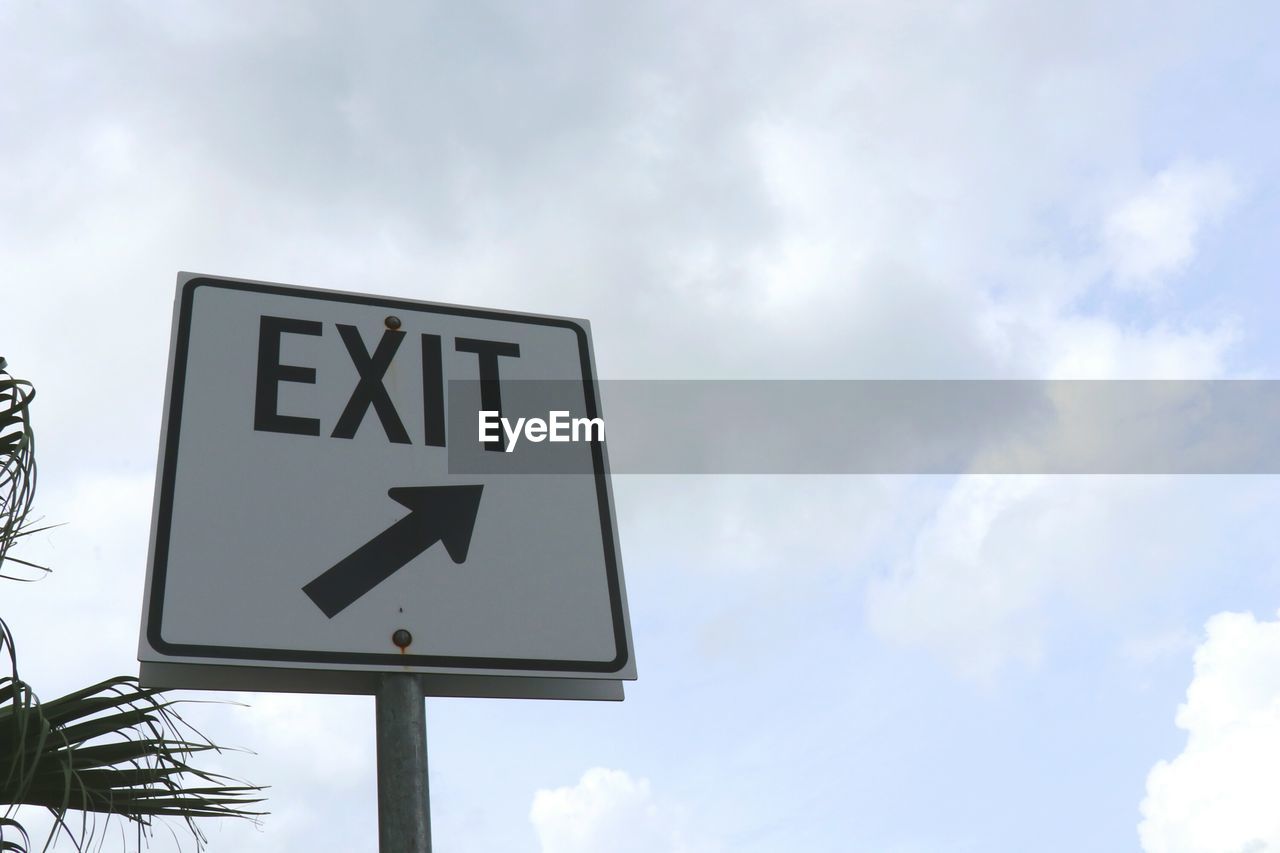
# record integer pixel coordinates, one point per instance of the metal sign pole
(404, 812)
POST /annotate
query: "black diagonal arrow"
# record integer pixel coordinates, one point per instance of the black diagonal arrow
(436, 514)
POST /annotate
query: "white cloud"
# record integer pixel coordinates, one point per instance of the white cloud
(1219, 794)
(611, 810)
(288, 726)
(826, 189)
(1152, 234)
(962, 593)
(1096, 348)
(95, 554)
(1007, 561)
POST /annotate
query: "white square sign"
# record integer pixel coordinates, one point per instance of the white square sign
(308, 531)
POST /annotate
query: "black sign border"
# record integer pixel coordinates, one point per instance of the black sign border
(398, 660)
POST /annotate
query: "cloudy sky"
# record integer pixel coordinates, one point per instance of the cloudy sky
(823, 190)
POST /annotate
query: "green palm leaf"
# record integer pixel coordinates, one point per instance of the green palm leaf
(17, 462)
(113, 748)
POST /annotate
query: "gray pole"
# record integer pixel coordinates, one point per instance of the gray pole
(404, 813)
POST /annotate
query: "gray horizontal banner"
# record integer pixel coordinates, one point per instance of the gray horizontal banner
(870, 427)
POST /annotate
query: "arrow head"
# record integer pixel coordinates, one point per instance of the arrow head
(436, 513)
(449, 511)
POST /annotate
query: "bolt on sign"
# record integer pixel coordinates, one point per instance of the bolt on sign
(311, 531)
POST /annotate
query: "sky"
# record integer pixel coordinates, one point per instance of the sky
(856, 190)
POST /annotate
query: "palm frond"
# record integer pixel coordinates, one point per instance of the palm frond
(14, 829)
(114, 748)
(17, 462)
